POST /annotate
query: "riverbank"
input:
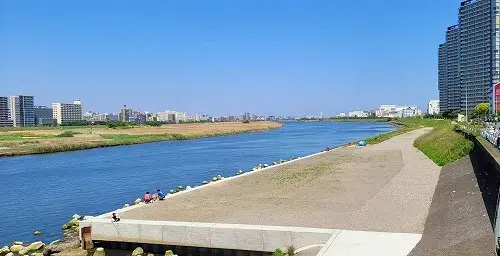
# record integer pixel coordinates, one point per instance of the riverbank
(350, 188)
(50, 140)
(347, 119)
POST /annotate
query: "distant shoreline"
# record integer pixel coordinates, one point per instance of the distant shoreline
(370, 120)
(40, 141)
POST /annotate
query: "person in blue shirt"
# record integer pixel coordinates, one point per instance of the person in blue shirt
(160, 194)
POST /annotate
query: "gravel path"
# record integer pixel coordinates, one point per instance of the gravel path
(385, 187)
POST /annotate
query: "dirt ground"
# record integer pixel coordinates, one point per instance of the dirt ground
(385, 187)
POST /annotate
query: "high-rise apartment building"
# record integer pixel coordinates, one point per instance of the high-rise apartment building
(469, 61)
(67, 112)
(5, 113)
(125, 114)
(22, 110)
(433, 107)
(442, 78)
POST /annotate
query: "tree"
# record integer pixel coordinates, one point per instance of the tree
(481, 110)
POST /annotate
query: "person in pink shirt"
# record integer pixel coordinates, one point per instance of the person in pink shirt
(147, 198)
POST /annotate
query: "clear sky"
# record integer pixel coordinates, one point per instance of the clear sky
(219, 57)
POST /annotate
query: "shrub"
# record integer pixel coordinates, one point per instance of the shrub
(290, 250)
(115, 124)
(278, 252)
(153, 123)
(67, 134)
(246, 122)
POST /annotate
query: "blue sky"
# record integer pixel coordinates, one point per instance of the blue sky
(219, 57)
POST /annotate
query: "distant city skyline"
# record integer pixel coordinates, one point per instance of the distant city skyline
(266, 57)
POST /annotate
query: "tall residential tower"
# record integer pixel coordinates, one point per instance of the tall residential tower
(22, 110)
(468, 65)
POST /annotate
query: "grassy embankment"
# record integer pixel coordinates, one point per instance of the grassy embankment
(16, 141)
(442, 144)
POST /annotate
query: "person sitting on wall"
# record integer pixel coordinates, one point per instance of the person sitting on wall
(115, 217)
(147, 198)
(161, 196)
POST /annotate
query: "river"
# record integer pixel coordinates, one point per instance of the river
(42, 192)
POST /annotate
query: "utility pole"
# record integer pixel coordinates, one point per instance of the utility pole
(466, 104)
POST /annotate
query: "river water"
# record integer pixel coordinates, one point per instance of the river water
(42, 192)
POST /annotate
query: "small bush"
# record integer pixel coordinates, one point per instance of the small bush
(278, 252)
(246, 122)
(290, 250)
(67, 134)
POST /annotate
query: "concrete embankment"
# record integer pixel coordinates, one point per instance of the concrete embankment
(372, 199)
(461, 217)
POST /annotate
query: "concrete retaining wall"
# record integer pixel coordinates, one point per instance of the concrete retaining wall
(208, 235)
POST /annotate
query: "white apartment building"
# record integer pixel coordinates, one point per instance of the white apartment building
(395, 111)
(359, 113)
(171, 116)
(433, 107)
(67, 112)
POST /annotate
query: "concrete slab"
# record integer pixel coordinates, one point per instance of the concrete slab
(355, 243)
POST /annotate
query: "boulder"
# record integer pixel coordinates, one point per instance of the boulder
(126, 205)
(172, 191)
(65, 226)
(37, 254)
(180, 187)
(188, 187)
(9, 254)
(150, 254)
(138, 252)
(99, 252)
(35, 246)
(204, 182)
(18, 243)
(73, 222)
(76, 216)
(55, 241)
(137, 201)
(169, 253)
(37, 233)
(266, 165)
(214, 179)
(4, 250)
(16, 248)
(23, 252)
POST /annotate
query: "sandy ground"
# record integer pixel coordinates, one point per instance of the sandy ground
(384, 187)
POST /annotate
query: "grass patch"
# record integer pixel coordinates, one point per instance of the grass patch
(443, 144)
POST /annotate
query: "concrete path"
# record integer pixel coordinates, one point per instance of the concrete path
(369, 193)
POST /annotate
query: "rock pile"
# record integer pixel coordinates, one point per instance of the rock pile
(18, 248)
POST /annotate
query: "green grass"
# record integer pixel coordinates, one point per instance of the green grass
(442, 144)
(21, 136)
